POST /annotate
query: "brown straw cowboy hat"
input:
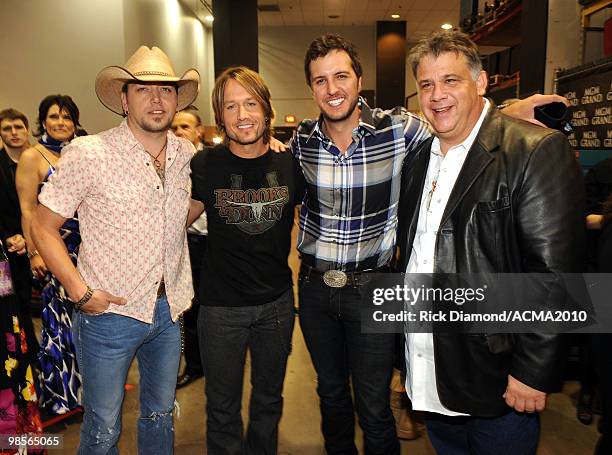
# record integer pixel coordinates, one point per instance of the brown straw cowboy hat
(147, 65)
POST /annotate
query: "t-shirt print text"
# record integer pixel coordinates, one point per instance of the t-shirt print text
(253, 210)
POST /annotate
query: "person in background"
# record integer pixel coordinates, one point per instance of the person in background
(603, 341)
(598, 185)
(19, 413)
(58, 119)
(188, 125)
(15, 132)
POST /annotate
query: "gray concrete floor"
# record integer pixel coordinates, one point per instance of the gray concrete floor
(299, 432)
(299, 428)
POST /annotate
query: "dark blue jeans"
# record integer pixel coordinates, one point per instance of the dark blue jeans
(331, 323)
(193, 362)
(510, 434)
(225, 335)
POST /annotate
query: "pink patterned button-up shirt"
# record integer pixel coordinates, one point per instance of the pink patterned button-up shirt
(132, 227)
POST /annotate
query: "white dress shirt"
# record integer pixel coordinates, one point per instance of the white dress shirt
(442, 174)
(199, 226)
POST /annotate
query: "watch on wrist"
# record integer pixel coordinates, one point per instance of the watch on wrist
(31, 254)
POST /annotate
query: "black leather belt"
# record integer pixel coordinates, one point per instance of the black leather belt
(339, 278)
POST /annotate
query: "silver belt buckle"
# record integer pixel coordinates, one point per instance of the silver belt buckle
(335, 278)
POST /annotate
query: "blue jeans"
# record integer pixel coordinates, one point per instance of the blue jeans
(106, 346)
(331, 323)
(510, 434)
(225, 335)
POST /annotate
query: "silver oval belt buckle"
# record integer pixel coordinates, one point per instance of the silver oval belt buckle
(335, 278)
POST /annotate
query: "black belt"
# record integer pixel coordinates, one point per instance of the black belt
(338, 278)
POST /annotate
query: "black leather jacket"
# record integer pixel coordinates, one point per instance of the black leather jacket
(517, 206)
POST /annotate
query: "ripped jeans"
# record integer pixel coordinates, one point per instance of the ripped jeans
(225, 335)
(106, 346)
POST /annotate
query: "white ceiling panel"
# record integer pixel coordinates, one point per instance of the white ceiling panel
(415, 16)
(422, 15)
(311, 4)
(379, 4)
(425, 4)
(334, 4)
(450, 4)
(439, 18)
(297, 15)
(356, 4)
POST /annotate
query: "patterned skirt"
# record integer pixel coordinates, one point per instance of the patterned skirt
(60, 379)
(19, 412)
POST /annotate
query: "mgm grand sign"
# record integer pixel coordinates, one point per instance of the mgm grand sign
(589, 90)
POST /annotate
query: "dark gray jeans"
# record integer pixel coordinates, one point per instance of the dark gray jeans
(225, 334)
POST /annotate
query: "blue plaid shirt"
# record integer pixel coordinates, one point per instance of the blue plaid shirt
(348, 217)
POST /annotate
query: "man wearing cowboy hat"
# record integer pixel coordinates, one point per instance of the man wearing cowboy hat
(130, 186)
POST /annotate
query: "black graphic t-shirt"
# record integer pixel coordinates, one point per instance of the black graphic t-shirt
(249, 204)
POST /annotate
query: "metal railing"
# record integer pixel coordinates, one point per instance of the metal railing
(494, 11)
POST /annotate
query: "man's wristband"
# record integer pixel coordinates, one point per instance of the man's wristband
(86, 298)
(31, 254)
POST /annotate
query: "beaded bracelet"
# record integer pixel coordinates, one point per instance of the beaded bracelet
(31, 254)
(88, 294)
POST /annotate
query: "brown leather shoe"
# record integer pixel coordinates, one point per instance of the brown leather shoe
(400, 407)
(405, 427)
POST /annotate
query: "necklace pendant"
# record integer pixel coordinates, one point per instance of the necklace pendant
(159, 168)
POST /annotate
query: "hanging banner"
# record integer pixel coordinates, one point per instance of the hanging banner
(589, 91)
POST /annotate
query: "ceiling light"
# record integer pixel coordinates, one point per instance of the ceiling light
(209, 18)
(446, 26)
(395, 16)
